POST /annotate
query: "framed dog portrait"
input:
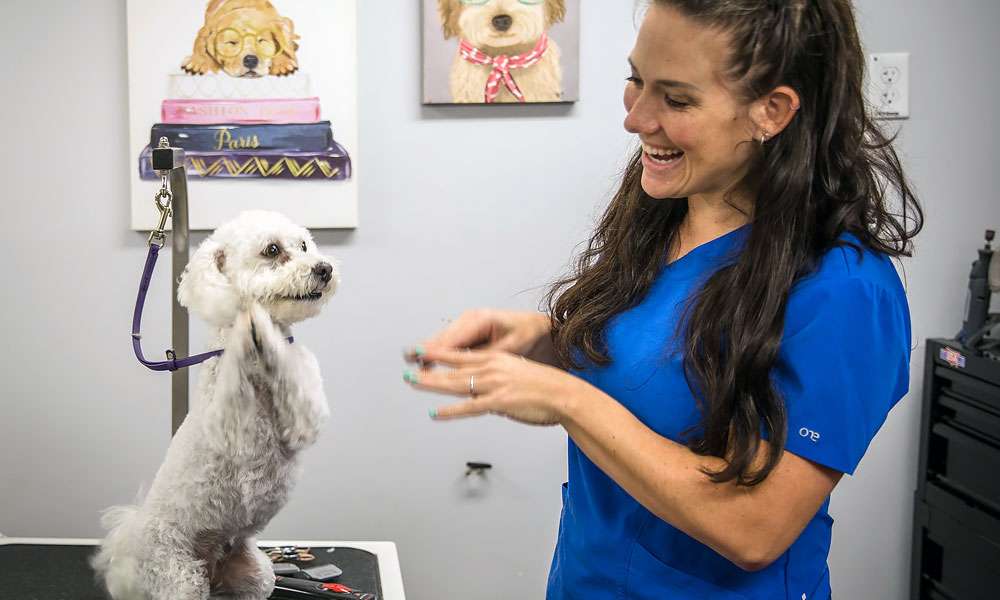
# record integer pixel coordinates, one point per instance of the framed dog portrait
(501, 51)
(262, 97)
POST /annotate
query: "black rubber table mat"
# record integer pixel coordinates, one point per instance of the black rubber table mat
(31, 572)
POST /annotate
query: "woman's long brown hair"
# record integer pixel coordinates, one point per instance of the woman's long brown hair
(832, 170)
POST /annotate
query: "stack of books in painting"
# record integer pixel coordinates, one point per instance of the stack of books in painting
(266, 127)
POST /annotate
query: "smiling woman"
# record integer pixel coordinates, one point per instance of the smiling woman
(735, 333)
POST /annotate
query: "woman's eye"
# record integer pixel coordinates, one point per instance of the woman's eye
(634, 80)
(272, 251)
(676, 103)
(304, 247)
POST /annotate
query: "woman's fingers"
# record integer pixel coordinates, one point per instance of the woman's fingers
(454, 382)
(456, 358)
(473, 407)
(471, 329)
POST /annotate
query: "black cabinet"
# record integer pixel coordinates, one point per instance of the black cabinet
(956, 523)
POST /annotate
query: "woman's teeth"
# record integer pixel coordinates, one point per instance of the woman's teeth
(661, 155)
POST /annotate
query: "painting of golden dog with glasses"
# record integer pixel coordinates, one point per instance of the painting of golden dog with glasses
(243, 38)
(251, 90)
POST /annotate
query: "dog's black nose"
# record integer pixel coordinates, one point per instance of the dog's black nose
(324, 271)
(502, 22)
(250, 61)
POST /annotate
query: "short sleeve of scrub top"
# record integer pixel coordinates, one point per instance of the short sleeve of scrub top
(844, 359)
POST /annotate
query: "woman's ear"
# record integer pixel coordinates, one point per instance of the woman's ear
(204, 288)
(773, 111)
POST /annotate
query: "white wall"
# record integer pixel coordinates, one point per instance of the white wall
(82, 424)
(949, 149)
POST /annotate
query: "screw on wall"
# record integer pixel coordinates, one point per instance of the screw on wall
(479, 468)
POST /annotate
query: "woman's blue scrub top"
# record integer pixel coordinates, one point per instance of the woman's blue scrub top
(842, 365)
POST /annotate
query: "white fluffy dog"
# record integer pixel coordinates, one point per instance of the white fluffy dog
(504, 28)
(233, 461)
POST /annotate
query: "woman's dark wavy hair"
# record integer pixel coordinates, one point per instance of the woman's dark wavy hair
(830, 171)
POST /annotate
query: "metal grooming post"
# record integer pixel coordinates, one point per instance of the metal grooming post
(169, 162)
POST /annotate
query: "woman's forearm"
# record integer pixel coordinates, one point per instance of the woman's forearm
(749, 526)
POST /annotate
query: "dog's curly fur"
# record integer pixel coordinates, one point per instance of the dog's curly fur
(254, 20)
(233, 461)
(541, 82)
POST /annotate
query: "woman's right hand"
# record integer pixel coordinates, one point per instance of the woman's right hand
(518, 332)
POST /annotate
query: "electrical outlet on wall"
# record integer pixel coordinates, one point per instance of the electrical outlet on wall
(889, 84)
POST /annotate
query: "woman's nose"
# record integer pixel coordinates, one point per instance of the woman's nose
(641, 118)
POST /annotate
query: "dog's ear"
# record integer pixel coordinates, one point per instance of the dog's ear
(555, 12)
(206, 38)
(202, 59)
(449, 11)
(204, 288)
(284, 35)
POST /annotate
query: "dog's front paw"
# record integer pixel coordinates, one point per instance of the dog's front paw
(199, 65)
(265, 339)
(283, 65)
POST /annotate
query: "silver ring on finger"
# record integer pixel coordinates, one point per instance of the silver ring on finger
(472, 385)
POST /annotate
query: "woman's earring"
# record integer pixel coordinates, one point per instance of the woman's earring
(763, 137)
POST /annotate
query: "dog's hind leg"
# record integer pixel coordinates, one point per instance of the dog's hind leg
(174, 574)
(245, 574)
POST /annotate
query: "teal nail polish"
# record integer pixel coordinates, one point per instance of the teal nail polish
(409, 376)
(419, 351)
(432, 413)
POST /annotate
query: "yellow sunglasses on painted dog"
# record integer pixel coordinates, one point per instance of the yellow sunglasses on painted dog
(230, 43)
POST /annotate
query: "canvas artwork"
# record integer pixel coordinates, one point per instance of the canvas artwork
(501, 51)
(262, 97)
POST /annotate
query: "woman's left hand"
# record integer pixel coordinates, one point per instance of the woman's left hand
(496, 382)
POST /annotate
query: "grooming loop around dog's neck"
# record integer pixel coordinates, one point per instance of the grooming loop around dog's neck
(157, 239)
(172, 363)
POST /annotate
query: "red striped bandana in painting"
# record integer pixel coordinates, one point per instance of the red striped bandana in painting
(502, 65)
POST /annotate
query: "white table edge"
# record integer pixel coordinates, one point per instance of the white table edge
(388, 557)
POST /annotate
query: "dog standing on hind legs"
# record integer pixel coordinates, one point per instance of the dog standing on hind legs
(233, 461)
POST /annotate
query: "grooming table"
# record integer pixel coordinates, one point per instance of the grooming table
(58, 569)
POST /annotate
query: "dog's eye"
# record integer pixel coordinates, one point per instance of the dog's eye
(272, 251)
(304, 249)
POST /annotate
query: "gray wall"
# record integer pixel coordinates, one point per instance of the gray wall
(82, 424)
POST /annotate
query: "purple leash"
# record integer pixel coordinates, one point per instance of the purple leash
(172, 363)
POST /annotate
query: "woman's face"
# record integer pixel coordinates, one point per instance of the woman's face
(696, 134)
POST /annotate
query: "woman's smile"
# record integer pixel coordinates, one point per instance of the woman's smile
(660, 159)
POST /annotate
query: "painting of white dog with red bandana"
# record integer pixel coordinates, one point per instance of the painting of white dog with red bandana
(500, 51)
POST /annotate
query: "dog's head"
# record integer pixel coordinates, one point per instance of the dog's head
(499, 23)
(245, 39)
(259, 257)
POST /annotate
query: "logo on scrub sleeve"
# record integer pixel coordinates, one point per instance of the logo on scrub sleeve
(809, 434)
